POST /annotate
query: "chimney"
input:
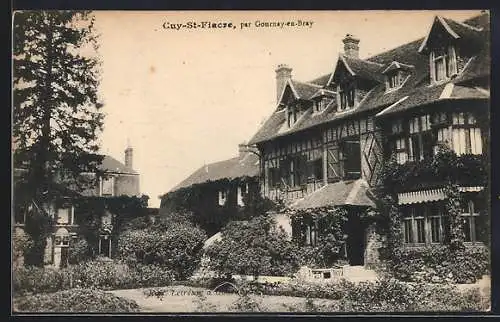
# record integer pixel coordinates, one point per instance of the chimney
(128, 156)
(283, 73)
(351, 46)
(242, 149)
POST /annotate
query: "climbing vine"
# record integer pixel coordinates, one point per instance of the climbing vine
(329, 225)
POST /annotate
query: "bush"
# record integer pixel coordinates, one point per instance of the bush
(173, 245)
(384, 295)
(93, 274)
(255, 247)
(32, 279)
(440, 264)
(75, 300)
(20, 243)
(391, 295)
(79, 251)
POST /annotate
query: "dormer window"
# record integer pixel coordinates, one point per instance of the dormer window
(443, 63)
(292, 114)
(319, 104)
(396, 74)
(395, 80)
(345, 96)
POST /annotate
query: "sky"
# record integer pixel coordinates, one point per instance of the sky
(184, 98)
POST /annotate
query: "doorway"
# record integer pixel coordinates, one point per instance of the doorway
(355, 244)
(105, 246)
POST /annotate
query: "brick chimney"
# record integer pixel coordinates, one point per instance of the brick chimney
(283, 73)
(351, 46)
(128, 156)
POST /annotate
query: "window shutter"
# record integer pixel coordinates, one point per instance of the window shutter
(431, 65)
(333, 169)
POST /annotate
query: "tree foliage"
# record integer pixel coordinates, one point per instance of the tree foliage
(253, 247)
(56, 112)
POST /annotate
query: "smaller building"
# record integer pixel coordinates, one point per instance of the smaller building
(117, 179)
(217, 191)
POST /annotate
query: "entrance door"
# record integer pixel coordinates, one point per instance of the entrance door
(64, 257)
(355, 240)
(105, 246)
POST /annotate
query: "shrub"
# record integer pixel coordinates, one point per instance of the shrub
(440, 264)
(92, 274)
(32, 279)
(75, 300)
(255, 247)
(20, 243)
(173, 245)
(79, 251)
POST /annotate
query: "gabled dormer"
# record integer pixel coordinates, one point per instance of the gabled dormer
(396, 75)
(450, 46)
(294, 98)
(353, 77)
(321, 100)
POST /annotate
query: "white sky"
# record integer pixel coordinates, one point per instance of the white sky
(188, 97)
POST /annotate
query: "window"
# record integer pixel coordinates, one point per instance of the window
(316, 169)
(471, 219)
(346, 94)
(311, 232)
(423, 223)
(420, 143)
(443, 63)
(401, 155)
(466, 134)
(351, 157)
(222, 197)
(292, 114)
(397, 127)
(107, 186)
(65, 215)
(319, 105)
(273, 177)
(394, 80)
(242, 190)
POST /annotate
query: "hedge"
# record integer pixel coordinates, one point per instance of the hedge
(439, 264)
(95, 274)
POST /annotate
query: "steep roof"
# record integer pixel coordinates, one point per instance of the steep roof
(415, 86)
(110, 164)
(246, 165)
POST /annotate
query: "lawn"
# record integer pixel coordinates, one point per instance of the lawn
(184, 299)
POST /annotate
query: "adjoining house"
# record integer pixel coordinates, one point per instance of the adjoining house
(117, 179)
(216, 190)
(327, 141)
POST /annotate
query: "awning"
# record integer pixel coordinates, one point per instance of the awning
(430, 195)
(354, 193)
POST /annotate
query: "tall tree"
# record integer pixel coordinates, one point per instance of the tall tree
(57, 115)
(56, 111)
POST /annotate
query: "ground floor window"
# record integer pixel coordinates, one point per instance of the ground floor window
(472, 219)
(423, 223)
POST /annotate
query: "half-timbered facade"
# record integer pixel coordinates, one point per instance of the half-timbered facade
(328, 139)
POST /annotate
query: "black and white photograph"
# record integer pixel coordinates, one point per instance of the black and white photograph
(222, 162)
